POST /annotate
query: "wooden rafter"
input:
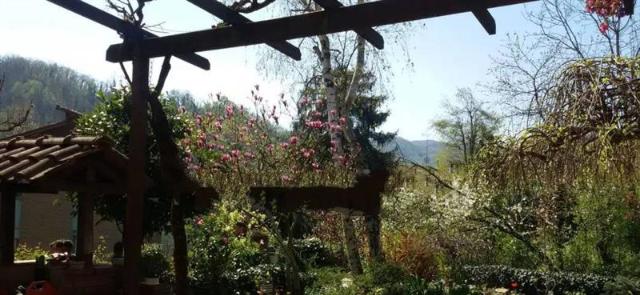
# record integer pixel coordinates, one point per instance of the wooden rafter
(346, 18)
(486, 20)
(99, 16)
(236, 19)
(374, 38)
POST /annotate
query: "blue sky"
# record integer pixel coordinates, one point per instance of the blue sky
(447, 53)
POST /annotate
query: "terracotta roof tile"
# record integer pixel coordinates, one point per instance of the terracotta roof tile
(25, 160)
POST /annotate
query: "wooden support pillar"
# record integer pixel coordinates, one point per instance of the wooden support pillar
(84, 247)
(7, 226)
(133, 227)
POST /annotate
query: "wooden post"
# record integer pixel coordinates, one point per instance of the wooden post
(84, 247)
(7, 226)
(133, 227)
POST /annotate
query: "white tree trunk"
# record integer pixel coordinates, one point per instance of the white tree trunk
(350, 239)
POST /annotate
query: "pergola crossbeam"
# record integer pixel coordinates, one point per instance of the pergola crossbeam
(378, 13)
(374, 38)
(99, 16)
(235, 19)
(486, 20)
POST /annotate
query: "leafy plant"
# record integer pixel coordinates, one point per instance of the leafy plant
(24, 252)
(534, 282)
(153, 263)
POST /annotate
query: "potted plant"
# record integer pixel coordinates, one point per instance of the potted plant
(153, 264)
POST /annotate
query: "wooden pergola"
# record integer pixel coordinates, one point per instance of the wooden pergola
(140, 45)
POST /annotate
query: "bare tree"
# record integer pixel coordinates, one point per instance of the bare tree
(11, 120)
(564, 31)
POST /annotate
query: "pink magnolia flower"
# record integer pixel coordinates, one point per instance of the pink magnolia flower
(304, 101)
(229, 111)
(604, 27)
(293, 140)
(235, 154)
(314, 124)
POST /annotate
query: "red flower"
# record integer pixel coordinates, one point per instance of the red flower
(604, 27)
(514, 285)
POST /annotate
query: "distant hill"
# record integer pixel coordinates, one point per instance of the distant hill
(44, 85)
(417, 151)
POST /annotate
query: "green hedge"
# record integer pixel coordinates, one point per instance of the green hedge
(535, 282)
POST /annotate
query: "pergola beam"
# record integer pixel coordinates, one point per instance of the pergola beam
(378, 13)
(486, 20)
(374, 38)
(99, 16)
(234, 18)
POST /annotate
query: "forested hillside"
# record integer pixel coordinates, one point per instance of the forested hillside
(44, 85)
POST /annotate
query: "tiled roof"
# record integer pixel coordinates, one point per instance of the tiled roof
(26, 160)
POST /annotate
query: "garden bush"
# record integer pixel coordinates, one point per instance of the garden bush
(153, 263)
(227, 260)
(414, 253)
(535, 282)
(314, 252)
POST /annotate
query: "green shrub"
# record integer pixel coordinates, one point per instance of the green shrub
(622, 286)
(153, 263)
(24, 252)
(225, 261)
(535, 282)
(314, 253)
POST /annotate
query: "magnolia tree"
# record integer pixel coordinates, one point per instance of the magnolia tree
(233, 148)
(236, 148)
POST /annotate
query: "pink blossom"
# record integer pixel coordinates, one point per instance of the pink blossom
(603, 27)
(284, 145)
(343, 121)
(235, 153)
(199, 221)
(226, 158)
(285, 178)
(229, 110)
(198, 120)
(293, 140)
(304, 101)
(314, 124)
(218, 125)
